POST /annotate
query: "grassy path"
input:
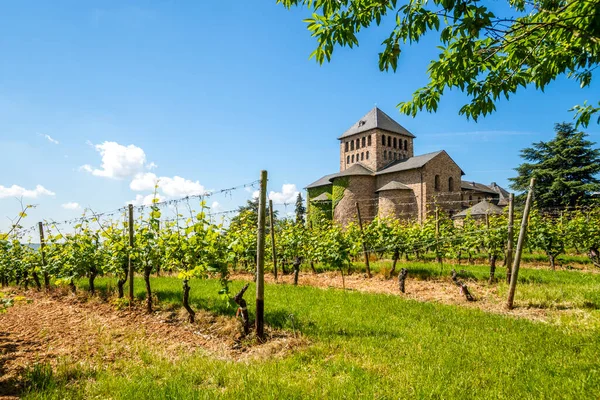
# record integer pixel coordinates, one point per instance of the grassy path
(362, 346)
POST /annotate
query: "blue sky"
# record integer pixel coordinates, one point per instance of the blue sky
(213, 92)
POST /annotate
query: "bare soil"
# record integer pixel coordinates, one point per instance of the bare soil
(49, 327)
(436, 290)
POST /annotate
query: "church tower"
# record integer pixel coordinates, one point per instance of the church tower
(376, 141)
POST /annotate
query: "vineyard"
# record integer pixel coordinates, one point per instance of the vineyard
(175, 252)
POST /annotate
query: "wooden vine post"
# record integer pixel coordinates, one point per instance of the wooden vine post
(273, 239)
(260, 259)
(130, 249)
(364, 245)
(42, 251)
(510, 239)
(519, 250)
(438, 257)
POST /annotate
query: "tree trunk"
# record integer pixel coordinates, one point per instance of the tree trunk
(492, 269)
(72, 286)
(147, 272)
(297, 262)
(402, 278)
(312, 266)
(25, 280)
(186, 298)
(242, 309)
(463, 287)
(394, 261)
(552, 261)
(36, 279)
(91, 278)
(120, 286)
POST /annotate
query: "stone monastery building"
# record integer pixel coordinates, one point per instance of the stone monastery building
(379, 171)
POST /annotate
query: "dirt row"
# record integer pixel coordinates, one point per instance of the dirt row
(442, 290)
(59, 326)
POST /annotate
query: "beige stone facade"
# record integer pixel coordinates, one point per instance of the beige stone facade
(380, 172)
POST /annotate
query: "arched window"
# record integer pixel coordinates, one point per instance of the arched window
(385, 155)
(352, 157)
(362, 156)
(368, 153)
(364, 141)
(346, 147)
(436, 183)
(383, 140)
(451, 184)
(389, 141)
(369, 140)
(357, 144)
(405, 144)
(395, 143)
(352, 145)
(347, 159)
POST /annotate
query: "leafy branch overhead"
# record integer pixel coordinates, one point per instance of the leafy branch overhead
(485, 53)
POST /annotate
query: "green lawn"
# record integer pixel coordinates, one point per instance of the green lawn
(363, 346)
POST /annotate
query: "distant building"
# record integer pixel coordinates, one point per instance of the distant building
(379, 171)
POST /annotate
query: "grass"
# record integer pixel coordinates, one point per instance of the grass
(366, 346)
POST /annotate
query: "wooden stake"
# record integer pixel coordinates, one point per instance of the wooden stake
(260, 258)
(510, 240)
(364, 245)
(130, 261)
(520, 243)
(42, 251)
(437, 235)
(273, 239)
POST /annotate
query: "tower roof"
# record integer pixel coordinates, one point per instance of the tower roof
(479, 209)
(376, 119)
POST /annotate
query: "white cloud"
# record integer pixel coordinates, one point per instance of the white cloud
(180, 187)
(215, 206)
(71, 206)
(141, 200)
(143, 181)
(49, 138)
(118, 161)
(169, 187)
(288, 194)
(255, 194)
(18, 191)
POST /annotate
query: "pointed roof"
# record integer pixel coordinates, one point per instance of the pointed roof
(479, 187)
(504, 194)
(393, 185)
(323, 181)
(355, 170)
(376, 119)
(322, 198)
(479, 209)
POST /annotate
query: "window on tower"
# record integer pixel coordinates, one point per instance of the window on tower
(352, 157)
(436, 183)
(383, 140)
(395, 143)
(405, 144)
(362, 156)
(385, 155)
(364, 141)
(451, 184)
(389, 141)
(357, 144)
(352, 145)
(369, 140)
(368, 153)
(346, 147)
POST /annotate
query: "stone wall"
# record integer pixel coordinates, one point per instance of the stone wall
(399, 204)
(446, 199)
(376, 159)
(412, 179)
(359, 189)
